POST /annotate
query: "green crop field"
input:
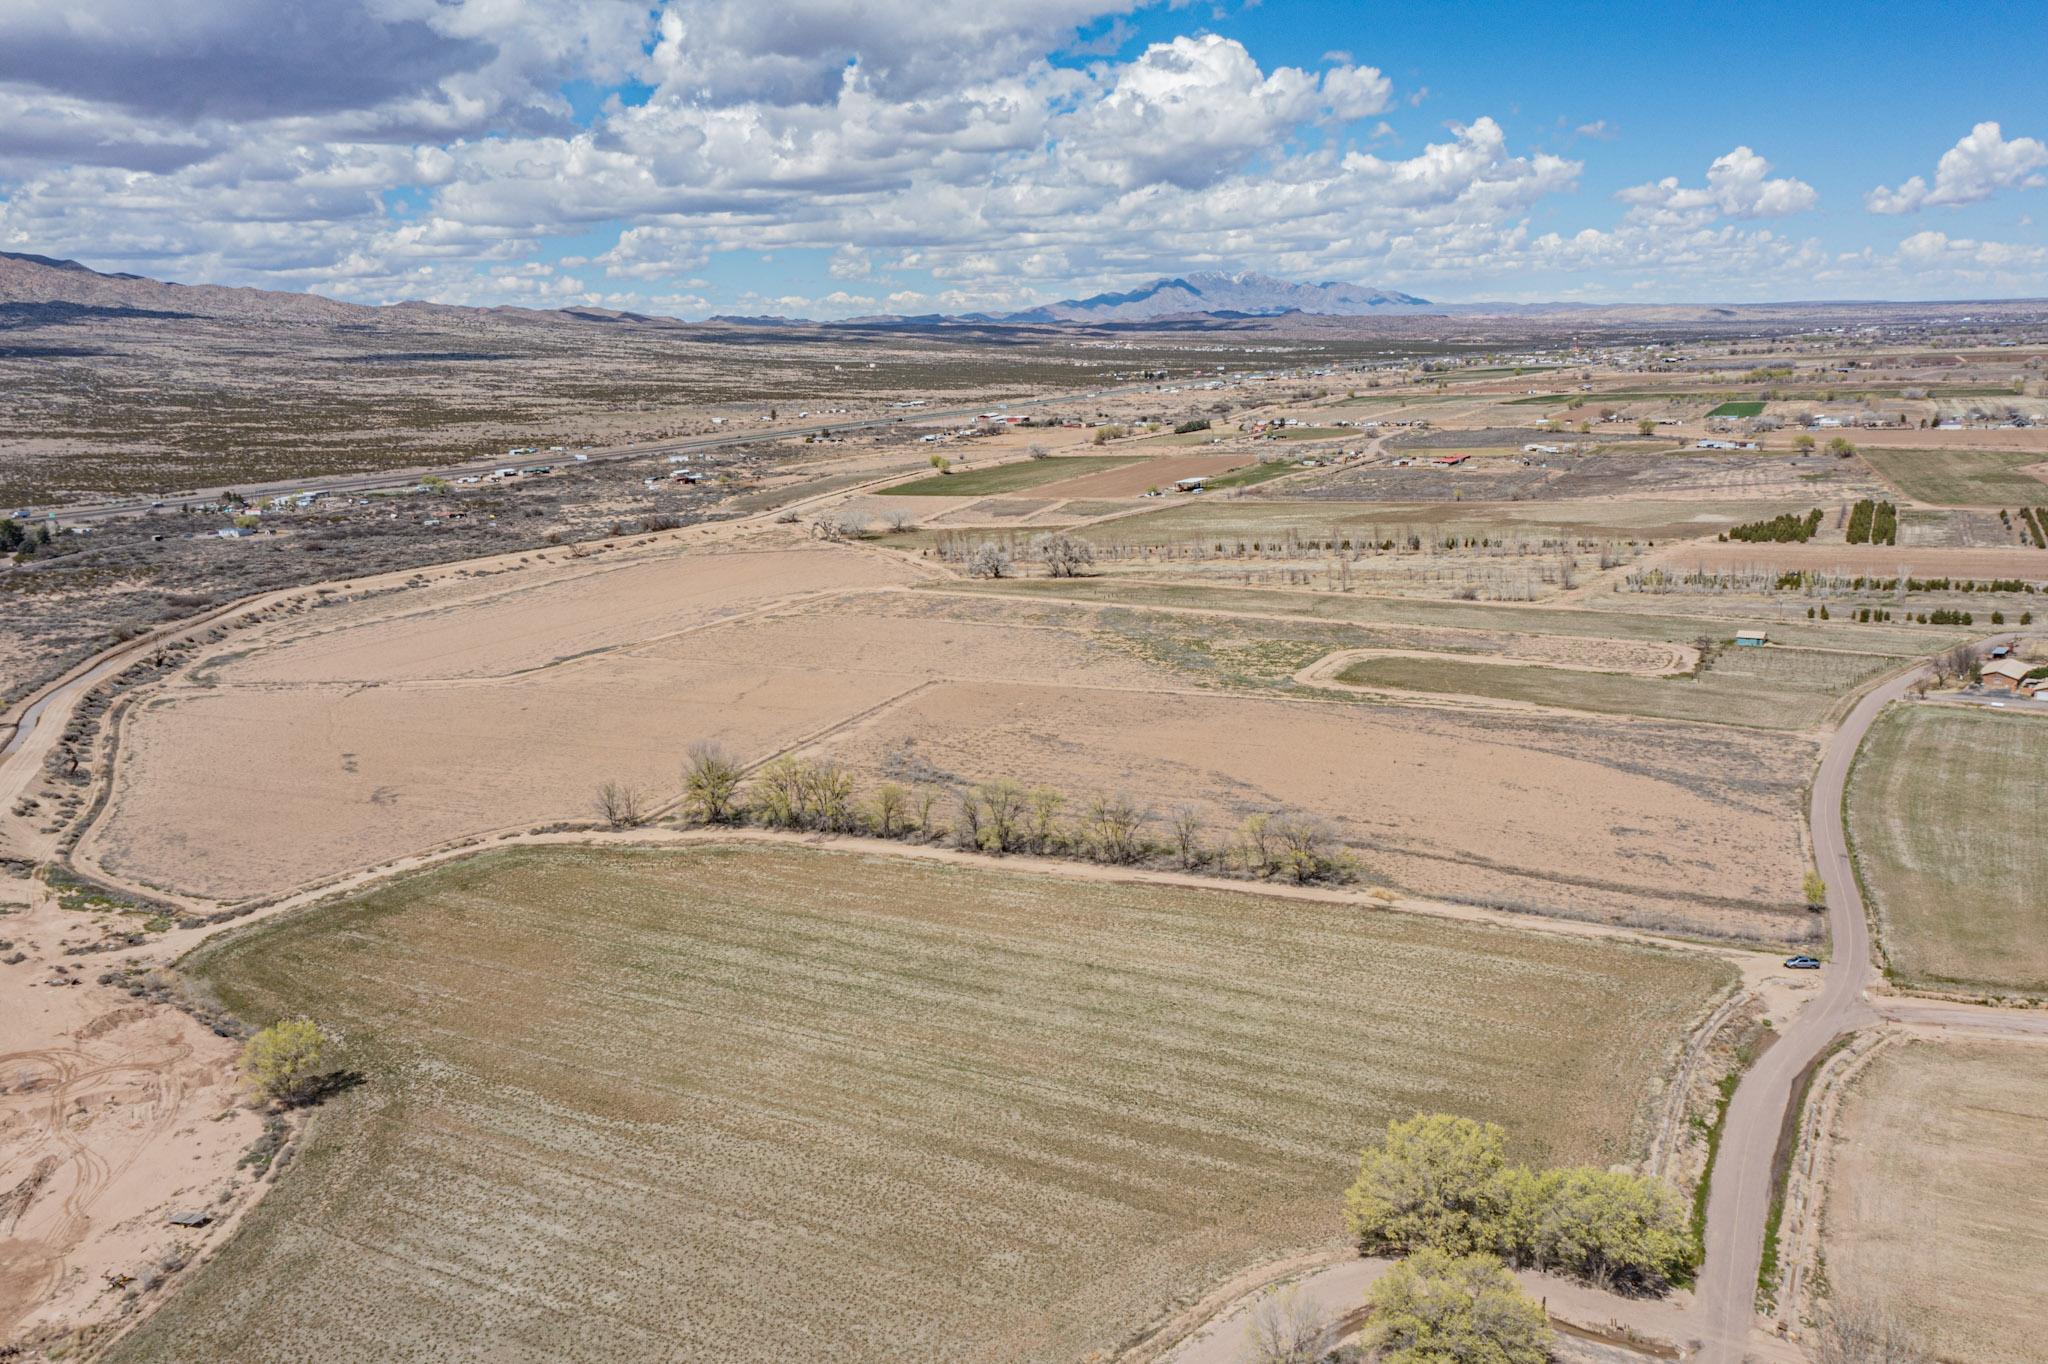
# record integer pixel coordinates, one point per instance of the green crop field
(1944, 811)
(1251, 474)
(1010, 478)
(1770, 688)
(1962, 478)
(754, 1104)
(1738, 409)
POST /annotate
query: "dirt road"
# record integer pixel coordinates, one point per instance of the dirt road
(1739, 1201)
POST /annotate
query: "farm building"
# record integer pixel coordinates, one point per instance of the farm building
(2005, 674)
(1189, 485)
(1751, 639)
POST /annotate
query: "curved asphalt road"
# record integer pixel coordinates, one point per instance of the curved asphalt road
(1740, 1198)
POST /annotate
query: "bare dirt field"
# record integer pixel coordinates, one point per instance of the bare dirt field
(1944, 812)
(1604, 819)
(1919, 561)
(791, 1104)
(546, 688)
(1937, 1199)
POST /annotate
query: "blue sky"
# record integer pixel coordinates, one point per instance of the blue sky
(700, 156)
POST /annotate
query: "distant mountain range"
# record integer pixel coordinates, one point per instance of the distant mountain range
(44, 288)
(1209, 294)
(43, 280)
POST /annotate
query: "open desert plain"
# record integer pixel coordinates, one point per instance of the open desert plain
(667, 762)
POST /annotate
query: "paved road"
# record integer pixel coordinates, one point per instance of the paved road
(1740, 1198)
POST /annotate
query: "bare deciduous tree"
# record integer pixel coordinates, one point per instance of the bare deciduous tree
(988, 561)
(621, 806)
(1258, 848)
(1115, 829)
(1866, 1333)
(1955, 663)
(1308, 849)
(1063, 555)
(1187, 837)
(1286, 1328)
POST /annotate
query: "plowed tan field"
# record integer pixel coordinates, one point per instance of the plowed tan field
(762, 1105)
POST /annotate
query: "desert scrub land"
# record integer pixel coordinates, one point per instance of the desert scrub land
(1944, 814)
(1962, 478)
(787, 1103)
(1937, 1202)
(1769, 688)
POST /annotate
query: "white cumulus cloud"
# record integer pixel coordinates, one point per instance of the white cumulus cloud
(1978, 166)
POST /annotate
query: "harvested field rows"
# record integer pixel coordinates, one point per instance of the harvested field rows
(787, 1104)
(1944, 809)
(1937, 1203)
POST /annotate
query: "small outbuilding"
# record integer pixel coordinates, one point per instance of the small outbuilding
(1752, 639)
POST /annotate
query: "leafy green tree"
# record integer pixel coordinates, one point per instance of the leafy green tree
(711, 785)
(1816, 890)
(1437, 1308)
(1609, 1228)
(1438, 1182)
(282, 1061)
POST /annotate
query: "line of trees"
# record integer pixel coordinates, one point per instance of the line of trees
(2033, 524)
(1786, 527)
(994, 817)
(1874, 523)
(1443, 1183)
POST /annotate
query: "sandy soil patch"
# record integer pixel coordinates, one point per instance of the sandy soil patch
(1602, 818)
(1937, 1200)
(239, 792)
(515, 623)
(114, 1113)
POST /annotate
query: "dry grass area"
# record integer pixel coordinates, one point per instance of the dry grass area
(787, 1104)
(1964, 478)
(1937, 1203)
(1773, 688)
(1675, 825)
(1944, 810)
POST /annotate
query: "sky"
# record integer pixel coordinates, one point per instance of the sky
(806, 158)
